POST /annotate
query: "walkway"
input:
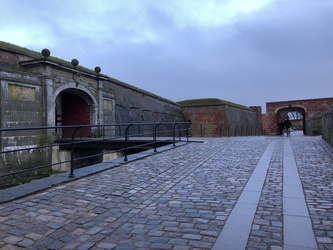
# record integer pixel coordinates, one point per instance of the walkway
(226, 193)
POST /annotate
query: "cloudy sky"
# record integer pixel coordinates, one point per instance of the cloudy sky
(245, 51)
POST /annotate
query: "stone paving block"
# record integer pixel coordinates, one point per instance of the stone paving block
(324, 240)
(106, 245)
(12, 239)
(192, 236)
(161, 246)
(25, 243)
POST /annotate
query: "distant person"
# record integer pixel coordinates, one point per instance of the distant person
(280, 127)
(287, 125)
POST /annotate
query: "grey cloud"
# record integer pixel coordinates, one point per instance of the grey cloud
(294, 33)
(282, 52)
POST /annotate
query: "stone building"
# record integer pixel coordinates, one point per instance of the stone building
(213, 117)
(39, 90)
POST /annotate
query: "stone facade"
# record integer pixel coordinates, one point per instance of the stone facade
(214, 117)
(36, 86)
(39, 90)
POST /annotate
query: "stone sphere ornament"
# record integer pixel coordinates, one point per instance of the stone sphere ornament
(46, 52)
(97, 70)
(75, 62)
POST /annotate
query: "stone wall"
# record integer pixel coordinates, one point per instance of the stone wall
(207, 121)
(244, 122)
(314, 125)
(327, 126)
(31, 89)
(21, 100)
(39, 90)
(133, 105)
(219, 118)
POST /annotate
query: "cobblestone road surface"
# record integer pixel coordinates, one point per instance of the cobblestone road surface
(177, 199)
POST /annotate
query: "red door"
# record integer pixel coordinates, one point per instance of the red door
(75, 111)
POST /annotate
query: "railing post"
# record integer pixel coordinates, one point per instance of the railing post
(155, 136)
(139, 130)
(221, 129)
(126, 140)
(187, 130)
(174, 133)
(71, 174)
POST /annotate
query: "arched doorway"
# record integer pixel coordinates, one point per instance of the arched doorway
(295, 114)
(73, 108)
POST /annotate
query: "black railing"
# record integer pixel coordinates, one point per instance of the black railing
(221, 130)
(31, 149)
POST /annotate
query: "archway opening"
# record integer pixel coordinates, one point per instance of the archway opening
(73, 108)
(296, 115)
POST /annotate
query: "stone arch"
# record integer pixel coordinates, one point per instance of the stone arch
(282, 111)
(311, 108)
(75, 106)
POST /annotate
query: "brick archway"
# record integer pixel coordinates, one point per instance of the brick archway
(283, 111)
(308, 108)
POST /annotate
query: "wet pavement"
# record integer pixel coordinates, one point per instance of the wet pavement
(226, 193)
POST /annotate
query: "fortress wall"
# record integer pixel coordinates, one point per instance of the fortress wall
(138, 106)
(221, 120)
(327, 126)
(21, 106)
(206, 120)
(243, 122)
(21, 99)
(29, 88)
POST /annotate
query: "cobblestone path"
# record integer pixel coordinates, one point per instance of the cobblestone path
(177, 199)
(267, 228)
(315, 165)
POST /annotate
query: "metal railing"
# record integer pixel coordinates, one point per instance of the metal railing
(32, 149)
(221, 130)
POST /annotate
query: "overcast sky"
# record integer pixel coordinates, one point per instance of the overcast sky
(245, 51)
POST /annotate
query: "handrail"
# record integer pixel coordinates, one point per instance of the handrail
(126, 140)
(71, 174)
(174, 133)
(155, 135)
(188, 131)
(100, 133)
